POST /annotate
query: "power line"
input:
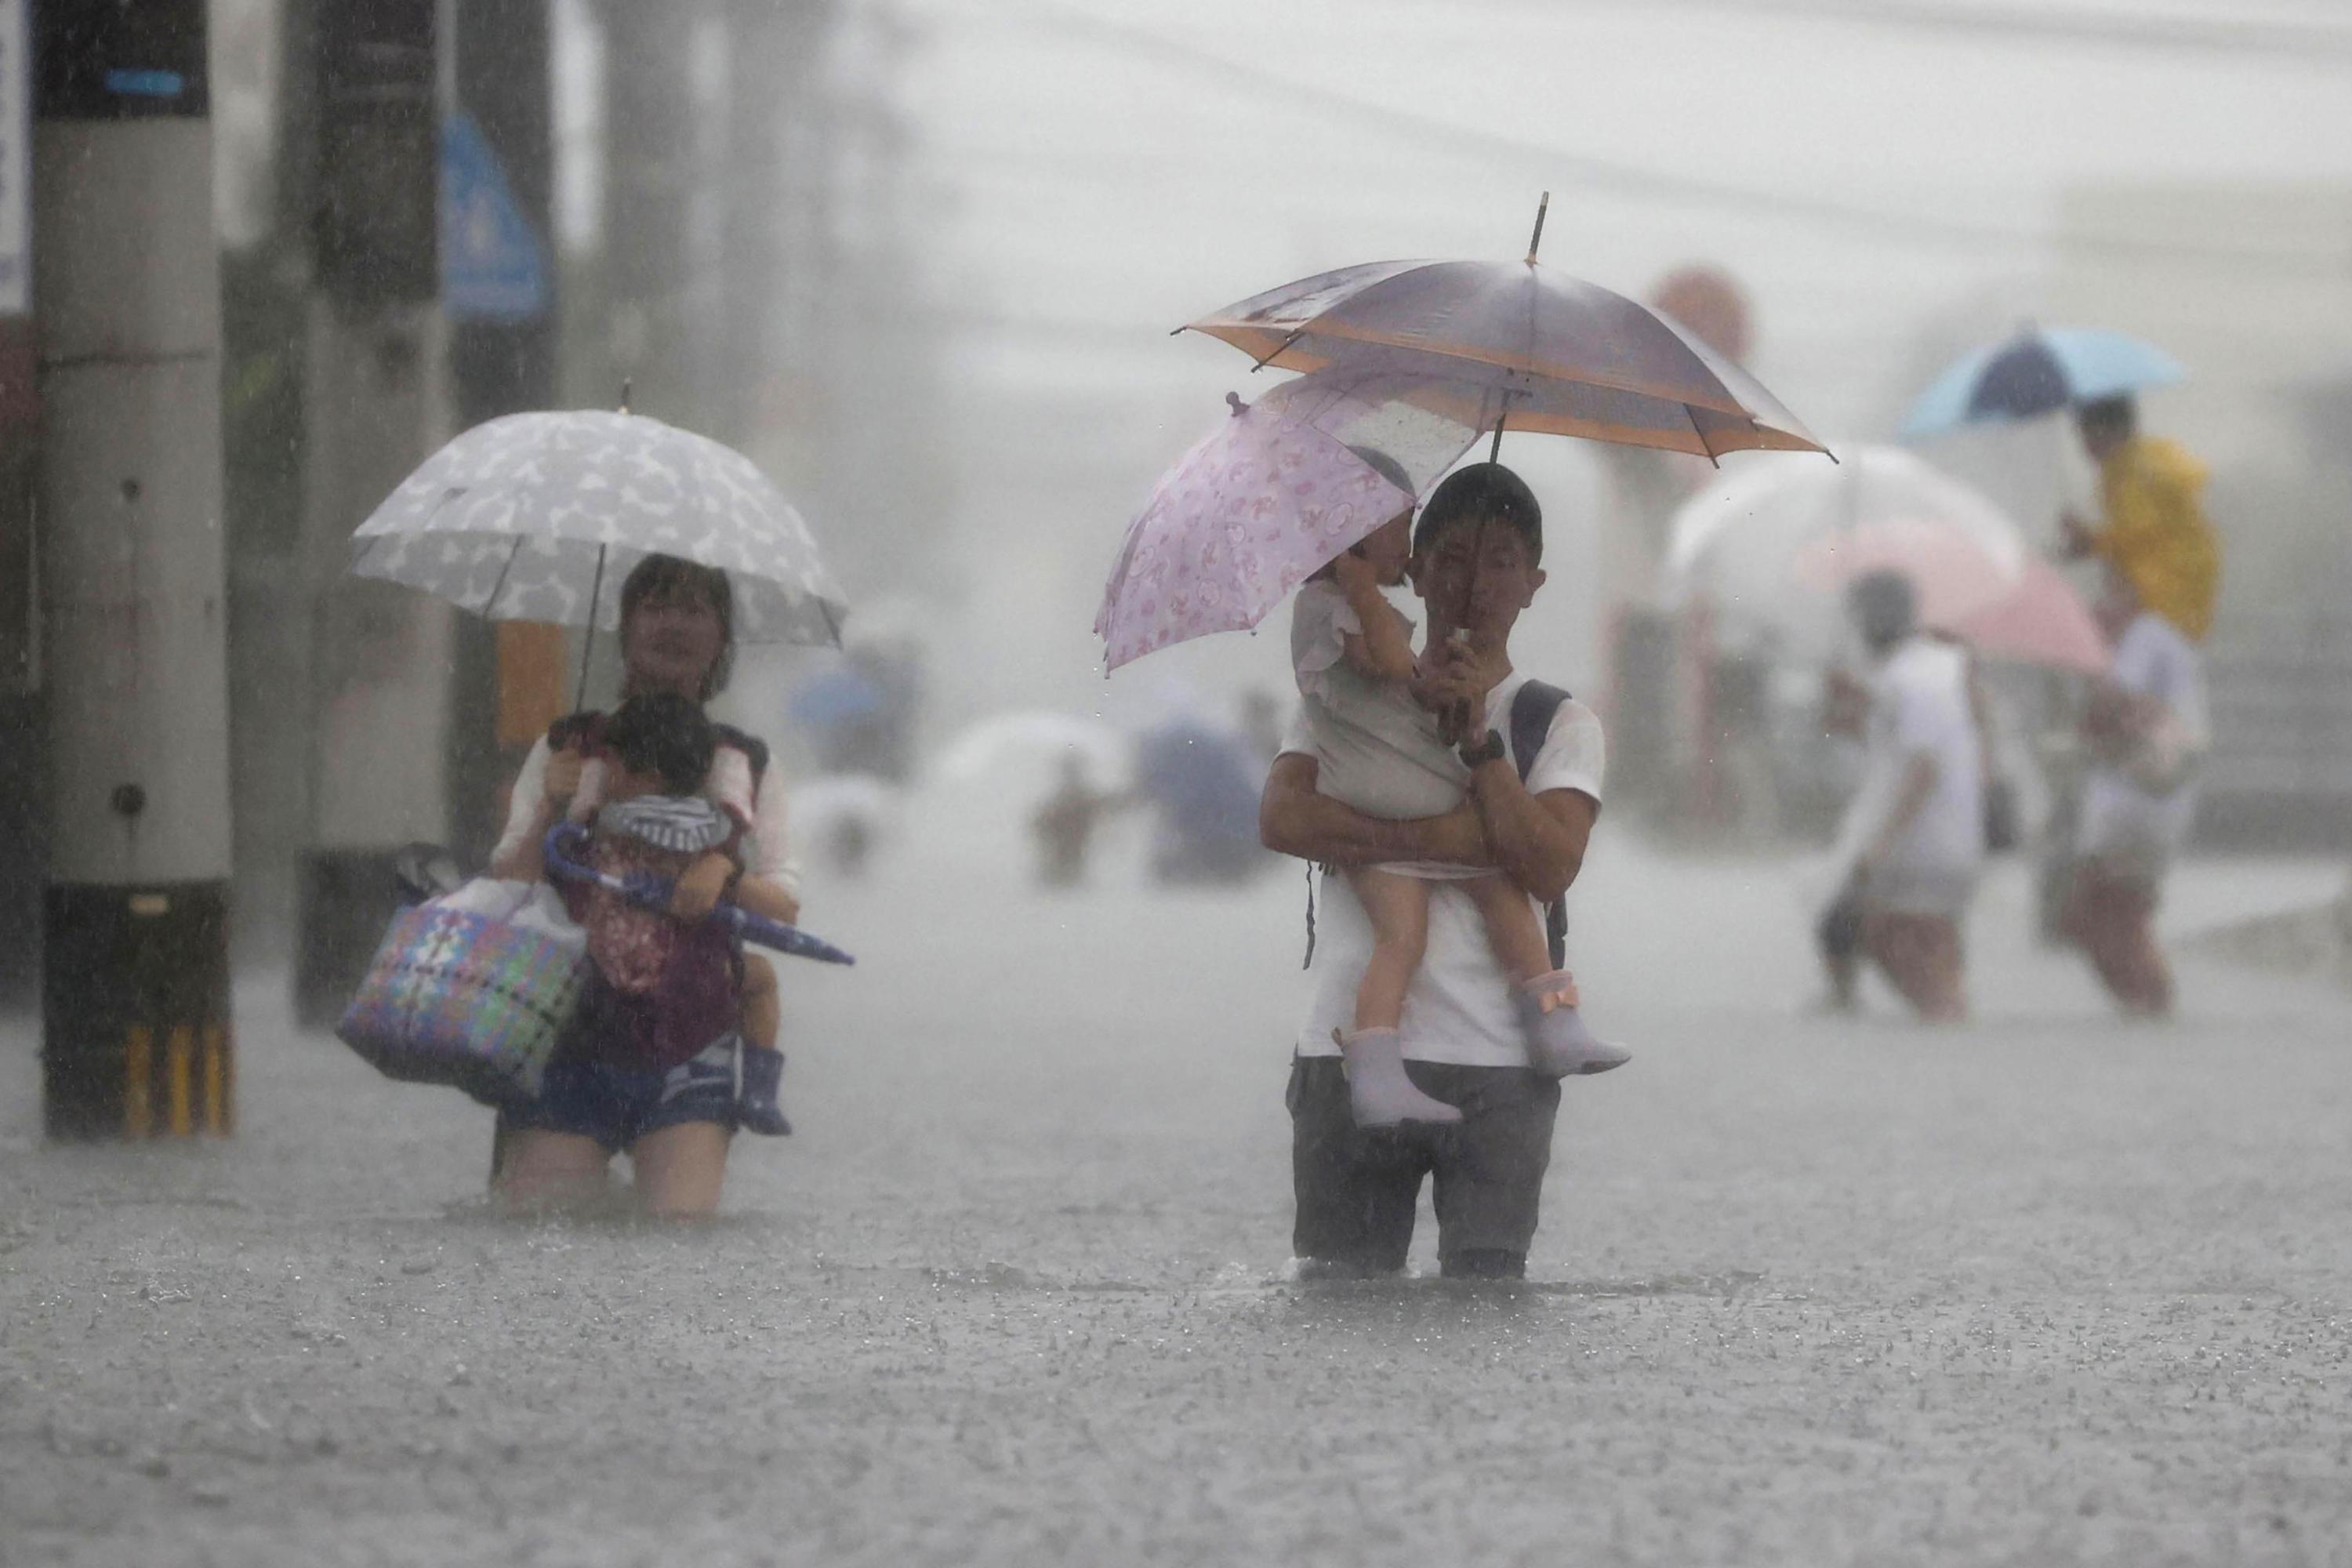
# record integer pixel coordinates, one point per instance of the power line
(2297, 40)
(1652, 185)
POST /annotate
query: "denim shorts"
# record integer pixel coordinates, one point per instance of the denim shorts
(618, 1105)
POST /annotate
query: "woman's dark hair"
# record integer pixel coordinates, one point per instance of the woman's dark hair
(1483, 492)
(664, 734)
(663, 575)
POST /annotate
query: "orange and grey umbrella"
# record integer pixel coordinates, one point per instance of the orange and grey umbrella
(1512, 344)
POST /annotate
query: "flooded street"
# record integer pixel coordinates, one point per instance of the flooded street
(2041, 1289)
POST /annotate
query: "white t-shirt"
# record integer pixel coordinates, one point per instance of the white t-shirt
(1919, 703)
(2119, 818)
(1375, 747)
(1459, 1007)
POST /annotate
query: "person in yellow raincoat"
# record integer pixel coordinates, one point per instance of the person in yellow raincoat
(2155, 533)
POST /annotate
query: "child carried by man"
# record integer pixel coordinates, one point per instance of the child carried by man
(1378, 750)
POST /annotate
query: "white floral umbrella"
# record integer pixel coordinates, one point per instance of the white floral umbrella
(538, 517)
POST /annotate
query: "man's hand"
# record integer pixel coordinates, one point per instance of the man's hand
(1456, 678)
(697, 892)
(562, 779)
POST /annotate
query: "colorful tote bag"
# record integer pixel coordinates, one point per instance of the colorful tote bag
(472, 999)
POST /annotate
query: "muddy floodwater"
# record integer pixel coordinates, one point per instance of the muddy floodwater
(2043, 1289)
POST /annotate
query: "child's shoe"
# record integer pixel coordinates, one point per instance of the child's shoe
(1378, 1092)
(1559, 1043)
(755, 1100)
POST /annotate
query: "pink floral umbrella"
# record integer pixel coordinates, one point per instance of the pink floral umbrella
(1264, 502)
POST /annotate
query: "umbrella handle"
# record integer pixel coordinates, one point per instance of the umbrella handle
(566, 840)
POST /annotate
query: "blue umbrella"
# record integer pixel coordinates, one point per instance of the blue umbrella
(2039, 371)
(836, 696)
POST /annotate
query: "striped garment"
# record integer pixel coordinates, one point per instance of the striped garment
(683, 824)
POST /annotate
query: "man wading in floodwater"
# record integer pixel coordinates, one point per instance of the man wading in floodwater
(1476, 566)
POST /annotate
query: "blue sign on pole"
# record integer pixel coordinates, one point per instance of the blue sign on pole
(493, 263)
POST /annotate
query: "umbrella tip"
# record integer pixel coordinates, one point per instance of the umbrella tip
(625, 395)
(1234, 400)
(1535, 241)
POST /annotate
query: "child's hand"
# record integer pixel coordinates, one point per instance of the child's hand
(697, 892)
(1356, 575)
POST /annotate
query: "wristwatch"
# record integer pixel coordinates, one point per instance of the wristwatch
(1490, 750)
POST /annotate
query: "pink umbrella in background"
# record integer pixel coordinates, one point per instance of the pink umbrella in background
(2018, 608)
(1263, 503)
(1955, 572)
(2042, 621)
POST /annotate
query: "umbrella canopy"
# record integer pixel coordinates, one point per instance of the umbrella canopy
(1736, 544)
(1950, 570)
(2041, 620)
(538, 517)
(1512, 344)
(1277, 489)
(2038, 371)
(1038, 741)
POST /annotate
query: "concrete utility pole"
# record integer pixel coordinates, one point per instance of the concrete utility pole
(136, 1038)
(24, 772)
(498, 291)
(379, 681)
(657, 266)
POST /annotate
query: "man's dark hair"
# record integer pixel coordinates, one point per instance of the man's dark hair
(1483, 492)
(2109, 418)
(1886, 607)
(664, 734)
(663, 575)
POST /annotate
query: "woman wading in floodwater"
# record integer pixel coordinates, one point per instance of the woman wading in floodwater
(609, 1090)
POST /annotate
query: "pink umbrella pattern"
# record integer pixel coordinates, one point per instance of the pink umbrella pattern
(1251, 513)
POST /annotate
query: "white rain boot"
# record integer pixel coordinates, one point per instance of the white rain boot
(1378, 1092)
(1559, 1045)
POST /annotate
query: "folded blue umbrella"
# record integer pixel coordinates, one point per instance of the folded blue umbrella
(2038, 371)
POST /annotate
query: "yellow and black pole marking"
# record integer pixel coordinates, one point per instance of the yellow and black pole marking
(137, 1041)
(126, 284)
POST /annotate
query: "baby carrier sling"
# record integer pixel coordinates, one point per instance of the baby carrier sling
(1532, 711)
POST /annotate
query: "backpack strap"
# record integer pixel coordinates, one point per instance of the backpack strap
(1532, 711)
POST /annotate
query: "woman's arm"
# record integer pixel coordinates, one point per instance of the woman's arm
(771, 860)
(1294, 818)
(530, 812)
(764, 896)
